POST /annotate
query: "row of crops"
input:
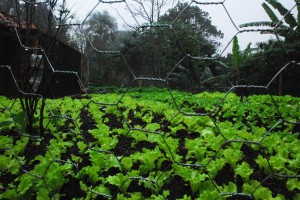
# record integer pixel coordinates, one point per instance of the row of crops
(153, 144)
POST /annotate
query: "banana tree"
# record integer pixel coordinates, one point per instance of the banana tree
(292, 26)
(290, 30)
(236, 58)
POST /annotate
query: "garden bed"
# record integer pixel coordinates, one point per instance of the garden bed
(154, 144)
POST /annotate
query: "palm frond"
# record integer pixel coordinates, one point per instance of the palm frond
(280, 29)
(270, 13)
(258, 24)
(288, 17)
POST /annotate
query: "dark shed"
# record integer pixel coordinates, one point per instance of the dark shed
(63, 58)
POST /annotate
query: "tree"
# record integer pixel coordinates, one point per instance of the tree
(194, 29)
(101, 29)
(155, 49)
(274, 51)
(198, 37)
(149, 10)
(101, 34)
(77, 39)
(290, 30)
(196, 19)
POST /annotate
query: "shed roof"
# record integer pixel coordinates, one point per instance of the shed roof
(11, 21)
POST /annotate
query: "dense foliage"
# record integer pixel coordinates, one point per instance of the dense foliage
(154, 144)
(153, 50)
(268, 58)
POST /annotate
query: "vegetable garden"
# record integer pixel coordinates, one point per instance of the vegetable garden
(139, 141)
(153, 144)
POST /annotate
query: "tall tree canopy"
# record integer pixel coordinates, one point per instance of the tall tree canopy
(101, 28)
(194, 28)
(149, 10)
(198, 20)
(156, 48)
(101, 32)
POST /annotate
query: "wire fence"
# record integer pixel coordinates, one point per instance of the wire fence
(64, 170)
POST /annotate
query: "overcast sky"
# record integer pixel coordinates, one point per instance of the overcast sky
(241, 11)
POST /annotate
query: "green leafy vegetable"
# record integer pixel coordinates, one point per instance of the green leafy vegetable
(244, 170)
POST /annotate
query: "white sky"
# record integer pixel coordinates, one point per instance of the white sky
(241, 11)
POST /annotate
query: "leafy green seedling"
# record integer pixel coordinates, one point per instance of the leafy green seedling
(244, 170)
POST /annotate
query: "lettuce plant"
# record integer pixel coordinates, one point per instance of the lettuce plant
(221, 136)
(244, 170)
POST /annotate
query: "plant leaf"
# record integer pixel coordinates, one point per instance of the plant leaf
(127, 162)
(293, 184)
(270, 13)
(43, 194)
(258, 24)
(244, 170)
(288, 17)
(236, 57)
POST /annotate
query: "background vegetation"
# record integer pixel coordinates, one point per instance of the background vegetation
(157, 47)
